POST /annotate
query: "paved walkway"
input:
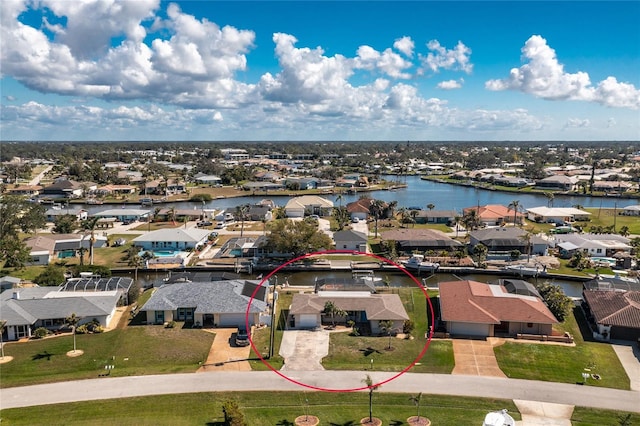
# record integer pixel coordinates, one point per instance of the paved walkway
(475, 357)
(543, 413)
(224, 355)
(629, 356)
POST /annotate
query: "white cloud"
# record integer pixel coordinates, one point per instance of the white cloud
(577, 123)
(450, 84)
(544, 77)
(10, 98)
(440, 57)
(404, 45)
(388, 62)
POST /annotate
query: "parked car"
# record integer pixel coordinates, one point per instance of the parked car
(202, 223)
(242, 337)
(355, 220)
(220, 225)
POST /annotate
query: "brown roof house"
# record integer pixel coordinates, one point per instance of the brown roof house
(471, 308)
(367, 310)
(420, 239)
(496, 214)
(615, 314)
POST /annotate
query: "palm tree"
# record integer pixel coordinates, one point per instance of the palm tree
(387, 328)
(339, 199)
(90, 225)
(413, 214)
(367, 381)
(171, 213)
(134, 259)
(416, 400)
(550, 196)
(526, 238)
(515, 205)
(456, 221)
(331, 309)
(72, 321)
(470, 220)
(431, 206)
(3, 324)
(376, 208)
(241, 213)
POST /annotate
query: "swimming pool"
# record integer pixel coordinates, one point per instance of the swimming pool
(610, 260)
(162, 253)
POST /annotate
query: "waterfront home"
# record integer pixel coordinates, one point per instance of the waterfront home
(501, 241)
(28, 190)
(172, 239)
(471, 308)
(613, 314)
(360, 209)
(350, 240)
(596, 245)
(367, 310)
(618, 187)
(210, 180)
(412, 239)
(308, 205)
(557, 215)
(446, 217)
(495, 214)
(631, 210)
(29, 308)
(45, 247)
(558, 182)
(64, 189)
(52, 214)
(124, 215)
(107, 190)
(209, 304)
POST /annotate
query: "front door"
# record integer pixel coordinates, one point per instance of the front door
(159, 317)
(502, 328)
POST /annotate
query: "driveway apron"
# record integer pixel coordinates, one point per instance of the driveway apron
(224, 355)
(303, 350)
(475, 358)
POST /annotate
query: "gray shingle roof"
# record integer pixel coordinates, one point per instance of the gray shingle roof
(206, 297)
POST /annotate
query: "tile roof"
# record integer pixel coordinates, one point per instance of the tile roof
(475, 302)
(207, 297)
(377, 306)
(189, 235)
(620, 308)
(415, 236)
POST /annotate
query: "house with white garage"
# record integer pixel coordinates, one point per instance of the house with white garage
(123, 215)
(208, 304)
(592, 244)
(558, 215)
(43, 248)
(366, 309)
(29, 308)
(308, 205)
(631, 210)
(471, 308)
(172, 239)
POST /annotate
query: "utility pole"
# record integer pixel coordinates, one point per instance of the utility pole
(272, 335)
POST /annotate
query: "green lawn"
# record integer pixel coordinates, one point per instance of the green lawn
(279, 408)
(605, 217)
(356, 352)
(137, 351)
(563, 364)
(261, 337)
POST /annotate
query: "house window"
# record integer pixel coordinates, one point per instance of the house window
(344, 246)
(529, 325)
(598, 251)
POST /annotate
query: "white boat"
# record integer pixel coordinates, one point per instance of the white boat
(417, 262)
(523, 270)
(498, 418)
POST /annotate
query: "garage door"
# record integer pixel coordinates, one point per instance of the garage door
(307, 321)
(232, 320)
(469, 329)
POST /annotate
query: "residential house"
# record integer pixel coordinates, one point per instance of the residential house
(308, 205)
(350, 240)
(64, 189)
(217, 303)
(593, 244)
(124, 215)
(503, 240)
(495, 214)
(471, 308)
(54, 213)
(410, 239)
(360, 209)
(130, 176)
(446, 217)
(557, 215)
(618, 187)
(631, 210)
(172, 239)
(367, 310)
(558, 182)
(107, 190)
(615, 314)
(45, 247)
(29, 308)
(258, 212)
(262, 186)
(28, 190)
(210, 180)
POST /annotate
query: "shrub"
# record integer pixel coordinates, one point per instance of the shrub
(82, 329)
(40, 333)
(51, 276)
(200, 198)
(170, 324)
(232, 414)
(103, 271)
(408, 326)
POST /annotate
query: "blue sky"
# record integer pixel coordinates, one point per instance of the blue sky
(332, 70)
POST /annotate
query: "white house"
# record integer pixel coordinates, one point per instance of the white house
(557, 215)
(350, 240)
(631, 211)
(172, 239)
(124, 214)
(594, 244)
(308, 204)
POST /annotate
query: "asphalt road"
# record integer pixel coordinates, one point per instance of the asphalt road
(441, 384)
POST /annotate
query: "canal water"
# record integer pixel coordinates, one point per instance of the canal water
(418, 193)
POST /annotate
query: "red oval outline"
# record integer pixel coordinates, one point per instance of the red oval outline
(318, 388)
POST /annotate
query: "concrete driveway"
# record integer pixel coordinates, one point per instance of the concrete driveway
(361, 226)
(224, 355)
(303, 350)
(476, 358)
